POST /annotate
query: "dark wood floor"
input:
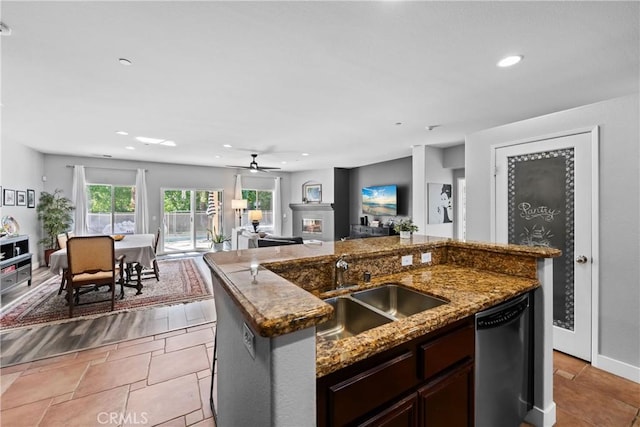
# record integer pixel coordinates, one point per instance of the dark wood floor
(41, 341)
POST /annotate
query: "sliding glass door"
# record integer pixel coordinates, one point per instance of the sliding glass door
(190, 216)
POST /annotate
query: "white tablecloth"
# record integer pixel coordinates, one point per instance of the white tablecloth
(135, 247)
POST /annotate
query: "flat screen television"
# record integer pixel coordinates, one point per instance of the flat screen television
(380, 200)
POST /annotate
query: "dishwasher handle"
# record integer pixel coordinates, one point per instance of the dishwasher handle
(504, 315)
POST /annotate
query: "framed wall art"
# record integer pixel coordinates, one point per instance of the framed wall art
(312, 193)
(440, 203)
(8, 197)
(21, 198)
(31, 198)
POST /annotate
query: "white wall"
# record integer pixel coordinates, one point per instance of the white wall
(21, 169)
(619, 269)
(317, 176)
(159, 176)
(428, 167)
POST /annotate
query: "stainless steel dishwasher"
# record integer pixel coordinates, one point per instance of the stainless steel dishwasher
(504, 365)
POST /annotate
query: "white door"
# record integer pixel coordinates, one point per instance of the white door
(543, 194)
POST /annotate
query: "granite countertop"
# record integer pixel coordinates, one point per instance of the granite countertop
(275, 306)
(466, 290)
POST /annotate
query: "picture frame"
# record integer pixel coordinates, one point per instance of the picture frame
(440, 203)
(312, 193)
(21, 198)
(31, 198)
(8, 197)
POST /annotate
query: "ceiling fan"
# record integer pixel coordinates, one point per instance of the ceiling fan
(253, 166)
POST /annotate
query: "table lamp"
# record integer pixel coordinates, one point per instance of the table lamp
(238, 205)
(255, 216)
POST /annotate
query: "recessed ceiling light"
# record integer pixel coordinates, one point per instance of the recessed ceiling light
(168, 143)
(227, 146)
(217, 157)
(147, 140)
(128, 147)
(283, 162)
(431, 127)
(398, 123)
(509, 61)
(124, 61)
(121, 132)
(305, 154)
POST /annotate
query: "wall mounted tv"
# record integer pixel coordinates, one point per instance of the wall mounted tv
(381, 200)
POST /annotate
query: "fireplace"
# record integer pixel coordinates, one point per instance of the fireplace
(312, 226)
(313, 221)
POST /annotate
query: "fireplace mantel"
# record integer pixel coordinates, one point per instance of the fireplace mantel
(311, 206)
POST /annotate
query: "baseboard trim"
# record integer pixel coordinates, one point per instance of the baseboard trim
(617, 367)
(542, 417)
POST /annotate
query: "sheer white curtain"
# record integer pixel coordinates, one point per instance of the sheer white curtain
(277, 208)
(79, 200)
(142, 208)
(237, 195)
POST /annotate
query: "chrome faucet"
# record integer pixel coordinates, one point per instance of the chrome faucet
(341, 267)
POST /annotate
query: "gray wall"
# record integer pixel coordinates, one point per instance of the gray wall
(619, 322)
(396, 171)
(21, 169)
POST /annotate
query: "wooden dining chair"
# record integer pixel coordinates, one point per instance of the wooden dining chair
(91, 263)
(62, 244)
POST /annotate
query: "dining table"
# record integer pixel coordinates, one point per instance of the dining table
(138, 251)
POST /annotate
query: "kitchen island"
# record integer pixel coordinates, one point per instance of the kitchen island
(269, 302)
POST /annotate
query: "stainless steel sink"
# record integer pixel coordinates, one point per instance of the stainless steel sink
(351, 318)
(397, 301)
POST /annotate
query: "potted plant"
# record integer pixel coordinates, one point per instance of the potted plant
(217, 240)
(54, 211)
(405, 227)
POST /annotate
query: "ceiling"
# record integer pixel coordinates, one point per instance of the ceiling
(348, 83)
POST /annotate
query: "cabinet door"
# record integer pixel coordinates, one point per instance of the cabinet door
(448, 401)
(403, 414)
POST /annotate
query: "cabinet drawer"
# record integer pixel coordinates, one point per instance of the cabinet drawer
(441, 353)
(9, 279)
(24, 273)
(360, 394)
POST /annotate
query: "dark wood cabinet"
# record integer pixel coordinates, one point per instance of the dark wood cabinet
(427, 381)
(448, 400)
(401, 414)
(15, 265)
(362, 231)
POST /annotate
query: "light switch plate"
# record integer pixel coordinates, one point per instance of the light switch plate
(426, 257)
(249, 340)
(407, 260)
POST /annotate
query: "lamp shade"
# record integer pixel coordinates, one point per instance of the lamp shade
(255, 215)
(239, 204)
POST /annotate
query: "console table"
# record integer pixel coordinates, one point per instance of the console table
(361, 231)
(15, 265)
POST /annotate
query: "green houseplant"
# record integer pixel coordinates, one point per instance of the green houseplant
(217, 239)
(54, 210)
(405, 227)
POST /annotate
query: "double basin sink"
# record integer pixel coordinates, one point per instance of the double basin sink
(370, 308)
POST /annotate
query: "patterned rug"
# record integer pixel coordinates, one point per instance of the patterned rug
(180, 282)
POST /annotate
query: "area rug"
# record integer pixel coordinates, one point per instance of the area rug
(180, 282)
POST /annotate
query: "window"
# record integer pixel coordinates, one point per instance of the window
(259, 200)
(111, 209)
